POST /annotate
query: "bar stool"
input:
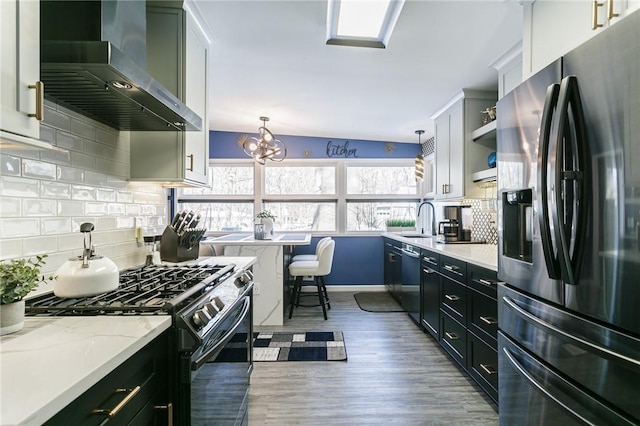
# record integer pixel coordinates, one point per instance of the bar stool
(319, 245)
(318, 269)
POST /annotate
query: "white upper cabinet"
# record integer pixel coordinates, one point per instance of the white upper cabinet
(457, 155)
(553, 28)
(177, 57)
(21, 94)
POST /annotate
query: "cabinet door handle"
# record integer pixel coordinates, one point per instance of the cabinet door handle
(489, 320)
(392, 258)
(113, 412)
(451, 268)
(451, 336)
(610, 13)
(594, 14)
(490, 370)
(169, 408)
(487, 282)
(428, 271)
(190, 157)
(39, 114)
(451, 297)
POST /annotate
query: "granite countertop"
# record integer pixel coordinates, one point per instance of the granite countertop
(247, 239)
(484, 255)
(53, 360)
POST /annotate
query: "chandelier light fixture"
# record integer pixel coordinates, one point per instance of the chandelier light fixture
(265, 147)
(419, 158)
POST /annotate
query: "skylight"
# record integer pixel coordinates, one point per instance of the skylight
(362, 23)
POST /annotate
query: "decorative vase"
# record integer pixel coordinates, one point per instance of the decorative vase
(11, 317)
(267, 224)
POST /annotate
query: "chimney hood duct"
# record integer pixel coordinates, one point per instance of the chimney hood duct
(93, 61)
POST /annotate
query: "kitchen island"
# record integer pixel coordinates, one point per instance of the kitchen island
(270, 273)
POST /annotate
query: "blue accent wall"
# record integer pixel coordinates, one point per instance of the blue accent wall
(225, 145)
(356, 260)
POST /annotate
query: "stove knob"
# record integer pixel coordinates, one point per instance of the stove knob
(211, 309)
(217, 303)
(200, 318)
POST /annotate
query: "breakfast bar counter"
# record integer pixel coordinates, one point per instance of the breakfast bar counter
(269, 270)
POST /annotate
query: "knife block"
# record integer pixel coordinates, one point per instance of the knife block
(171, 251)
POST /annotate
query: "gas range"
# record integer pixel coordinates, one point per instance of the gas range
(154, 289)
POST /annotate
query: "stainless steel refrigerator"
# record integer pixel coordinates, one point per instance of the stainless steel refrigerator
(568, 227)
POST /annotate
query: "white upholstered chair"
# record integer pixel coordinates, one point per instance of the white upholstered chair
(318, 269)
(314, 256)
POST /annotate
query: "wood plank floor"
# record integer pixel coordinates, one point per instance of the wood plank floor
(395, 374)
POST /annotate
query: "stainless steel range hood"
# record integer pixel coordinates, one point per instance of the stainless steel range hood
(93, 61)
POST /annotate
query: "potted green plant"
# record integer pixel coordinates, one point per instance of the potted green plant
(266, 219)
(17, 278)
(399, 225)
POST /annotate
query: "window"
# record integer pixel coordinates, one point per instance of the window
(306, 195)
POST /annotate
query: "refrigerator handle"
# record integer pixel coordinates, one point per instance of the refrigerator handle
(571, 152)
(551, 260)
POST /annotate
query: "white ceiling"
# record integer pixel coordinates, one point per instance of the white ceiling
(270, 58)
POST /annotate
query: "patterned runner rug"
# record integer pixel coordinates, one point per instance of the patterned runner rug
(304, 346)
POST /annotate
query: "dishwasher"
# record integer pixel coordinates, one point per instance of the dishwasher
(411, 282)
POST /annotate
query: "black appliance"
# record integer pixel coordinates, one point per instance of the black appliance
(211, 310)
(411, 281)
(568, 252)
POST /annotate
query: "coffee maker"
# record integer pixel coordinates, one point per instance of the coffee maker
(457, 224)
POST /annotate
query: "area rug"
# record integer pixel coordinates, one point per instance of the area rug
(304, 346)
(377, 301)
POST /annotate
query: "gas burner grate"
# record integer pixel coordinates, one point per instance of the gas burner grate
(155, 289)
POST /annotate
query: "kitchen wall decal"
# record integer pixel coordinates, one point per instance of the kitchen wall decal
(337, 150)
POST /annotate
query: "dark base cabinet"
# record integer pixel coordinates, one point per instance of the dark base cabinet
(430, 293)
(135, 393)
(483, 365)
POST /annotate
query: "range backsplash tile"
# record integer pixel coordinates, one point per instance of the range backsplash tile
(46, 195)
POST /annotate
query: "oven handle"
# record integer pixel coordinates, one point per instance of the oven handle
(204, 358)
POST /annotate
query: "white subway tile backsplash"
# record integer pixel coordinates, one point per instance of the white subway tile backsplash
(95, 179)
(19, 227)
(9, 165)
(70, 208)
(70, 174)
(39, 245)
(47, 195)
(38, 169)
(124, 197)
(81, 192)
(60, 191)
(54, 226)
(39, 207)
(19, 187)
(10, 207)
(107, 195)
(69, 141)
(10, 248)
(95, 209)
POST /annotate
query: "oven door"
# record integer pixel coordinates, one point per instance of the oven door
(219, 371)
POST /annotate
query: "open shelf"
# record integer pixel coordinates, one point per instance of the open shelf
(485, 132)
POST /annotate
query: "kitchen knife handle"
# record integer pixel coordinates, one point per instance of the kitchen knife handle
(113, 412)
(39, 87)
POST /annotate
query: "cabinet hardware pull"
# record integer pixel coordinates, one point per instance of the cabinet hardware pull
(488, 369)
(610, 13)
(190, 157)
(451, 336)
(487, 282)
(169, 408)
(428, 271)
(392, 258)
(489, 320)
(451, 297)
(594, 14)
(451, 267)
(39, 114)
(112, 413)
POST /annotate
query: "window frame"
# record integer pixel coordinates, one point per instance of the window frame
(341, 198)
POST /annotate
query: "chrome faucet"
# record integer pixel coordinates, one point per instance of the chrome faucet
(433, 217)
